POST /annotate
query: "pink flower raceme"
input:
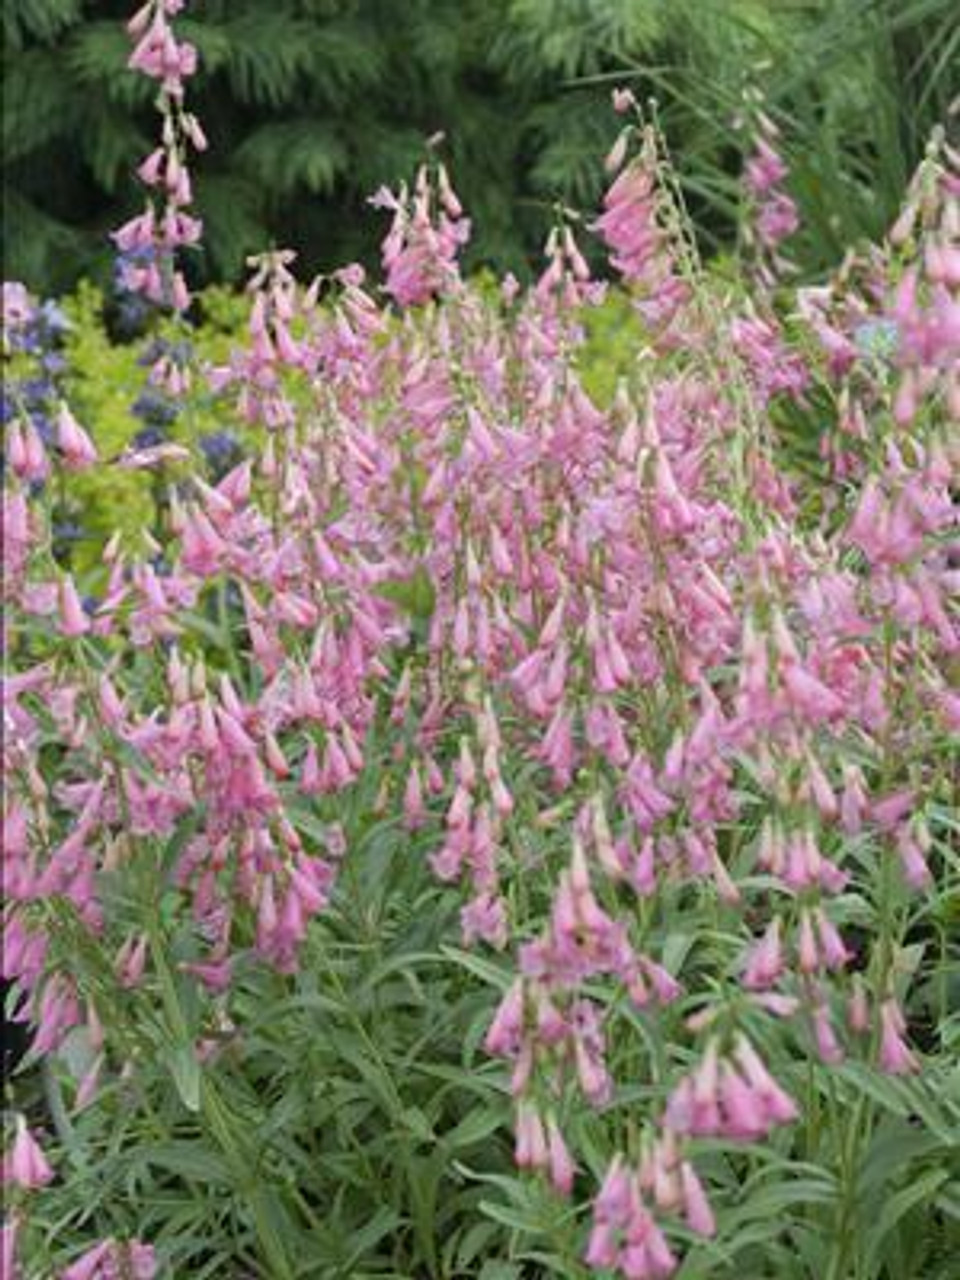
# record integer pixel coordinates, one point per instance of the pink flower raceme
(734, 1098)
(157, 53)
(630, 227)
(584, 941)
(625, 1235)
(149, 241)
(420, 250)
(773, 214)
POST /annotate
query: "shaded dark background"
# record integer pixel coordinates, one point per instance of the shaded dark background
(311, 104)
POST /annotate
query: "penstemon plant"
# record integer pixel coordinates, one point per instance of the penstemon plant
(477, 753)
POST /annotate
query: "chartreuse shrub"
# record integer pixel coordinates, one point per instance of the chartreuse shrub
(108, 382)
(480, 814)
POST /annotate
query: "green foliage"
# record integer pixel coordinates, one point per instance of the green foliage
(103, 384)
(857, 86)
(347, 1122)
(312, 104)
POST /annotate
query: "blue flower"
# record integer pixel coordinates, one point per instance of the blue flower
(154, 408)
(45, 428)
(53, 318)
(877, 339)
(218, 446)
(221, 450)
(36, 392)
(68, 530)
(148, 438)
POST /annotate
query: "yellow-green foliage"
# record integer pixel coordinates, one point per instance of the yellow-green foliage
(103, 381)
(614, 336)
(102, 385)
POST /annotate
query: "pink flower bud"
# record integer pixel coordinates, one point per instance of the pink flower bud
(828, 1047)
(696, 1206)
(73, 621)
(89, 1265)
(25, 1164)
(895, 1056)
(562, 1168)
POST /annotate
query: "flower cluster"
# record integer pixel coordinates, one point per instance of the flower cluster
(773, 216)
(625, 1236)
(428, 231)
(149, 242)
(635, 225)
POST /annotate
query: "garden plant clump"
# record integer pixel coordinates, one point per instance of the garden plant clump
(481, 826)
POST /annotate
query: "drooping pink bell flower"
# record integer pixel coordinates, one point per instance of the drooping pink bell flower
(896, 1057)
(24, 1164)
(73, 620)
(73, 442)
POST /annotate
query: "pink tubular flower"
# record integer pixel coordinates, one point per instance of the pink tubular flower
(88, 1265)
(73, 621)
(561, 1166)
(828, 1046)
(504, 1035)
(74, 443)
(9, 1231)
(912, 859)
(24, 1164)
(696, 1206)
(896, 1057)
(765, 961)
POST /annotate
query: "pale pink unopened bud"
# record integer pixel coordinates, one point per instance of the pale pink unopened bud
(696, 1206)
(414, 810)
(914, 864)
(131, 960)
(8, 1248)
(895, 1055)
(828, 1047)
(73, 621)
(858, 1008)
(561, 1165)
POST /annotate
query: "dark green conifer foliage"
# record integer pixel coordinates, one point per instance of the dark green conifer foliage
(312, 104)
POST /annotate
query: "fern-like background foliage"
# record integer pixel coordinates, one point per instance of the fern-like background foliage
(312, 104)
